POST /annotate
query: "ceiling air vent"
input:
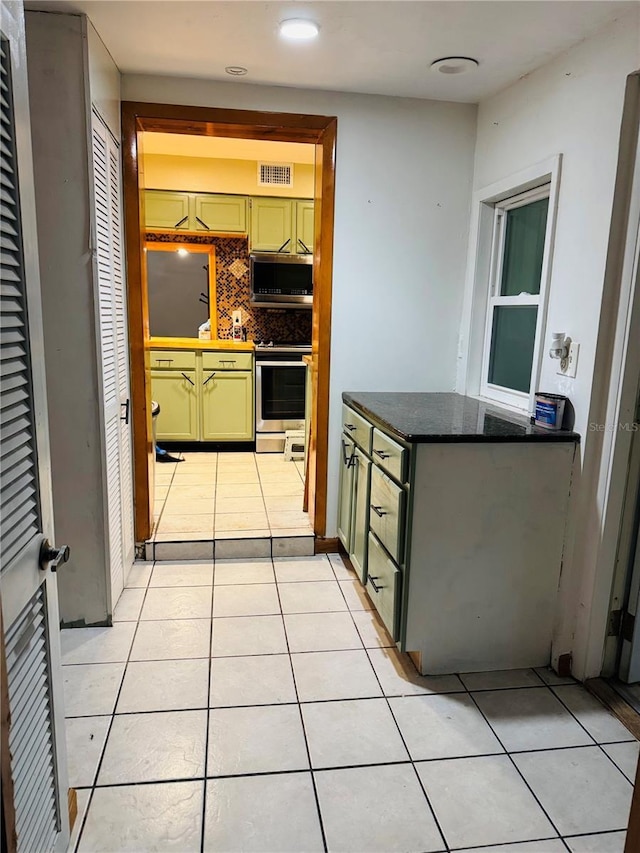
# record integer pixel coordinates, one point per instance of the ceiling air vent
(275, 174)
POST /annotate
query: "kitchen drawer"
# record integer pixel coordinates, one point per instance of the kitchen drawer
(386, 512)
(227, 360)
(390, 455)
(384, 581)
(173, 360)
(357, 427)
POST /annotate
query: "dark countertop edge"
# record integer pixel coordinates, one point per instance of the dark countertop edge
(541, 435)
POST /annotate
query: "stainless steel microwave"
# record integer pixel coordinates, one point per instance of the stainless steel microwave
(281, 281)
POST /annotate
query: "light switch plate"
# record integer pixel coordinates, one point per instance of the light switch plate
(571, 362)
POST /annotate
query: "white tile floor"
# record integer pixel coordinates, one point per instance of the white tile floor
(260, 706)
(226, 498)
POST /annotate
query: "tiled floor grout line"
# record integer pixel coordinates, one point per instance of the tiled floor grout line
(388, 704)
(517, 769)
(304, 731)
(206, 738)
(596, 742)
(298, 702)
(112, 720)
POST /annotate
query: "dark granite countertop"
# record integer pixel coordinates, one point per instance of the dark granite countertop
(444, 417)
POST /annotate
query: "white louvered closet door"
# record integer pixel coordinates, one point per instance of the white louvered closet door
(113, 352)
(30, 619)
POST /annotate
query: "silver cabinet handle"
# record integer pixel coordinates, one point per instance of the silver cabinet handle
(350, 427)
(227, 361)
(168, 360)
(187, 378)
(381, 454)
(374, 584)
(209, 378)
(378, 510)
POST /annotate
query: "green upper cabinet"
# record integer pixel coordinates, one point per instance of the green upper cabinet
(227, 405)
(220, 213)
(304, 227)
(167, 210)
(271, 225)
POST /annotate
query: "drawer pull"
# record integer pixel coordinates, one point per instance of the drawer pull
(349, 461)
(378, 510)
(168, 360)
(350, 427)
(227, 361)
(187, 378)
(374, 584)
(209, 378)
(381, 454)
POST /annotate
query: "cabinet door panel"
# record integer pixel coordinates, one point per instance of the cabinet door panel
(345, 494)
(227, 406)
(386, 517)
(176, 392)
(271, 224)
(221, 213)
(304, 227)
(166, 210)
(360, 518)
(383, 585)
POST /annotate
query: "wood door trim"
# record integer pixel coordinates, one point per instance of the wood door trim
(243, 124)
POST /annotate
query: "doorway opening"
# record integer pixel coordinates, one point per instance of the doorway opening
(318, 134)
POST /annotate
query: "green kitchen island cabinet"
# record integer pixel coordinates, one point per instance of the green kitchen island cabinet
(464, 524)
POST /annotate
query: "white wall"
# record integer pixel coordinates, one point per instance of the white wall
(572, 106)
(403, 184)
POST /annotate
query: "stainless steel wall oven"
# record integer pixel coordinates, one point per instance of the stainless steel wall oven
(280, 393)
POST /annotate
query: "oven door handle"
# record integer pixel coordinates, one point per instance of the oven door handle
(260, 363)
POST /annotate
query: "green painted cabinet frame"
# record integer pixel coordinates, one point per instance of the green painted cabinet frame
(177, 393)
(227, 406)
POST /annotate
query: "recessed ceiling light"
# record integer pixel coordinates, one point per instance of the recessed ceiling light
(454, 65)
(299, 29)
(236, 70)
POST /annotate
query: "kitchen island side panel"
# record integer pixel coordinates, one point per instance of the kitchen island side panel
(486, 540)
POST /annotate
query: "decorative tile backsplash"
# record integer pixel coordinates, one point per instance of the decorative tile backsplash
(232, 290)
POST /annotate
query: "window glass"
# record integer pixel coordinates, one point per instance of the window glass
(512, 341)
(524, 248)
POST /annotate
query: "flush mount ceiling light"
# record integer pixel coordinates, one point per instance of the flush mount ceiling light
(182, 252)
(299, 29)
(454, 65)
(236, 70)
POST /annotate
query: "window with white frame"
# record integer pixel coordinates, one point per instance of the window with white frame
(516, 300)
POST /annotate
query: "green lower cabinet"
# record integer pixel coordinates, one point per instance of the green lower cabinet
(176, 392)
(360, 514)
(345, 493)
(227, 405)
(384, 585)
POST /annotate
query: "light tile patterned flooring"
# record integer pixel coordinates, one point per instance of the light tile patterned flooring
(261, 706)
(229, 495)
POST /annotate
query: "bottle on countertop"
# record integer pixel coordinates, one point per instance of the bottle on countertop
(236, 326)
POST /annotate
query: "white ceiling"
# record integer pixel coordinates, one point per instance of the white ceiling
(382, 47)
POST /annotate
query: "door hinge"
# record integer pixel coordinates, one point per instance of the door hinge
(621, 624)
